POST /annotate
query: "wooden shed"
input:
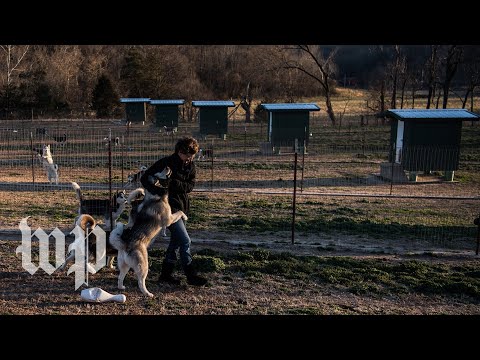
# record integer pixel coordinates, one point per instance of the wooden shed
(135, 109)
(166, 112)
(213, 117)
(287, 122)
(425, 140)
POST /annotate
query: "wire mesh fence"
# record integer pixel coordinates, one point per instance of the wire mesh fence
(346, 185)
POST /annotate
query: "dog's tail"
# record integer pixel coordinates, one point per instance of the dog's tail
(76, 187)
(135, 195)
(115, 238)
(85, 220)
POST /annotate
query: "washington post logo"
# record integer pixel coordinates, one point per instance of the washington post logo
(81, 267)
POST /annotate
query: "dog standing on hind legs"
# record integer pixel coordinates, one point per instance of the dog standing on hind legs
(50, 167)
(154, 213)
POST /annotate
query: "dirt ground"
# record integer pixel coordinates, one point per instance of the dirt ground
(232, 293)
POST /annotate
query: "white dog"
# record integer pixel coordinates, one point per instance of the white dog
(48, 165)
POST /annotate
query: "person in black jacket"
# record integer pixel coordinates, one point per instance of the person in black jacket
(182, 181)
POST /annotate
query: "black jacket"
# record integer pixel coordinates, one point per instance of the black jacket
(182, 181)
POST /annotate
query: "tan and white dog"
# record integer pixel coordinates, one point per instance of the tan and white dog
(154, 213)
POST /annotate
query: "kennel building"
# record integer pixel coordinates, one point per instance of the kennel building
(289, 123)
(213, 117)
(166, 112)
(135, 109)
(425, 140)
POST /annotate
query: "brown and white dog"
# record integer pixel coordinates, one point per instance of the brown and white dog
(85, 222)
(154, 213)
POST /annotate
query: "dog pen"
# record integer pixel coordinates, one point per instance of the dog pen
(243, 165)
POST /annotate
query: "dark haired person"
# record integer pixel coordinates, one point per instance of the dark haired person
(182, 181)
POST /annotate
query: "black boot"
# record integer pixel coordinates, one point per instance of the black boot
(166, 275)
(193, 278)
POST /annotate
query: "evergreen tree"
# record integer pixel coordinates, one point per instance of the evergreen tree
(104, 98)
(132, 74)
(43, 97)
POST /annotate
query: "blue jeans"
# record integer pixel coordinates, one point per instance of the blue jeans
(179, 239)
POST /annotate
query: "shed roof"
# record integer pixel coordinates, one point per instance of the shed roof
(213, 103)
(291, 107)
(415, 114)
(134, 100)
(167, 102)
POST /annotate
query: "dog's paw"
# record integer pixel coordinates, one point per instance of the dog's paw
(149, 294)
(121, 287)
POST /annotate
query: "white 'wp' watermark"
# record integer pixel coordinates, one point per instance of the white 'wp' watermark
(81, 265)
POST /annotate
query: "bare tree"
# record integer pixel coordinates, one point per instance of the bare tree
(431, 67)
(246, 103)
(452, 59)
(13, 58)
(395, 75)
(471, 68)
(415, 80)
(61, 64)
(376, 101)
(386, 73)
(309, 60)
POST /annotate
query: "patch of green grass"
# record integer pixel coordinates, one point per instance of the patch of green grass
(259, 166)
(264, 204)
(374, 218)
(253, 223)
(303, 311)
(206, 263)
(364, 277)
(208, 252)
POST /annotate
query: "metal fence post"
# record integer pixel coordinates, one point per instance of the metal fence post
(110, 177)
(245, 145)
(33, 167)
(211, 179)
(294, 196)
(477, 222)
(123, 156)
(392, 156)
(303, 164)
